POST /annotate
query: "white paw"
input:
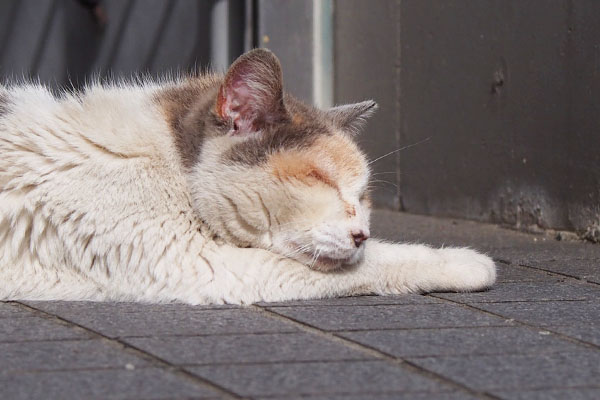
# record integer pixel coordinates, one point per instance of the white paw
(466, 270)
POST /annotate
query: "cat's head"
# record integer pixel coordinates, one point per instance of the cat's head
(267, 171)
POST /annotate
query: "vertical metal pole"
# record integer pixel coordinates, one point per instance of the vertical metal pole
(301, 34)
(219, 35)
(322, 53)
(250, 24)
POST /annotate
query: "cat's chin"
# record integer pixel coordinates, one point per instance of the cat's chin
(328, 264)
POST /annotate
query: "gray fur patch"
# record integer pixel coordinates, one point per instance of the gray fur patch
(351, 117)
(4, 103)
(187, 109)
(303, 125)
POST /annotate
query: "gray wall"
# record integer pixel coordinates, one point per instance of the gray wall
(500, 98)
(366, 56)
(60, 42)
(507, 91)
(285, 27)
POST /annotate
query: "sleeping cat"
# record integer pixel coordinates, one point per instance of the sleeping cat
(205, 189)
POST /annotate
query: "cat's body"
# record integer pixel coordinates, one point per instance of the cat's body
(204, 190)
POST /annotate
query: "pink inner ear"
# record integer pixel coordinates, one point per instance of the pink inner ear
(237, 105)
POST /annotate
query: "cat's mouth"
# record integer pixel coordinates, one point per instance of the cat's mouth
(322, 259)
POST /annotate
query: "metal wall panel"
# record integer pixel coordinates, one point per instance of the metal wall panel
(365, 67)
(285, 27)
(505, 91)
(582, 57)
(492, 83)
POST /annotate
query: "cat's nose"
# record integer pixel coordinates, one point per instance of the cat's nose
(359, 237)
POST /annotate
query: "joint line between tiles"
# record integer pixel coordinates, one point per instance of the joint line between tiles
(163, 364)
(378, 354)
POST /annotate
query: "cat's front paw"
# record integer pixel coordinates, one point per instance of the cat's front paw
(466, 270)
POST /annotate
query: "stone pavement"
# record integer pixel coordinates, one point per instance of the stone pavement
(535, 335)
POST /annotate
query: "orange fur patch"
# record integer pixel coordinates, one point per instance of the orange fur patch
(343, 152)
(350, 210)
(297, 165)
(331, 160)
(297, 119)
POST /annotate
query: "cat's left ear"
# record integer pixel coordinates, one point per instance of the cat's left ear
(251, 95)
(352, 117)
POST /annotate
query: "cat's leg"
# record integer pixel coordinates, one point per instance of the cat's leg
(243, 275)
(418, 268)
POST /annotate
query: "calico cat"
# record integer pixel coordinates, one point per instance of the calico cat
(206, 189)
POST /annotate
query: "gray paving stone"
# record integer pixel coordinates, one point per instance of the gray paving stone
(388, 317)
(161, 323)
(37, 328)
(506, 372)
(461, 341)
(587, 269)
(75, 307)
(547, 313)
(444, 231)
(528, 291)
(224, 349)
(68, 354)
(253, 354)
(517, 273)
(499, 242)
(358, 301)
(588, 332)
(575, 254)
(147, 383)
(379, 396)
(556, 394)
(8, 310)
(318, 378)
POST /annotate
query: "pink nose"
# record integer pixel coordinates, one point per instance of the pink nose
(359, 237)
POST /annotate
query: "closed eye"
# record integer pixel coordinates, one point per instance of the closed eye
(321, 176)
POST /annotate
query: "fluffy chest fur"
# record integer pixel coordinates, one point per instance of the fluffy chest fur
(90, 188)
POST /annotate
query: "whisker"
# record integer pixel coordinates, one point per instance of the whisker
(387, 189)
(397, 150)
(383, 173)
(387, 182)
(315, 258)
(300, 249)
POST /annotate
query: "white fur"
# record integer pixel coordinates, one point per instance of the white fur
(94, 206)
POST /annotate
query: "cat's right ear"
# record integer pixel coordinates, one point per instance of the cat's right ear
(251, 95)
(352, 117)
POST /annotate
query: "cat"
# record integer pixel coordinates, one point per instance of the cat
(201, 189)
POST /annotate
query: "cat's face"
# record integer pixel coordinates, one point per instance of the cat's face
(322, 201)
(277, 174)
